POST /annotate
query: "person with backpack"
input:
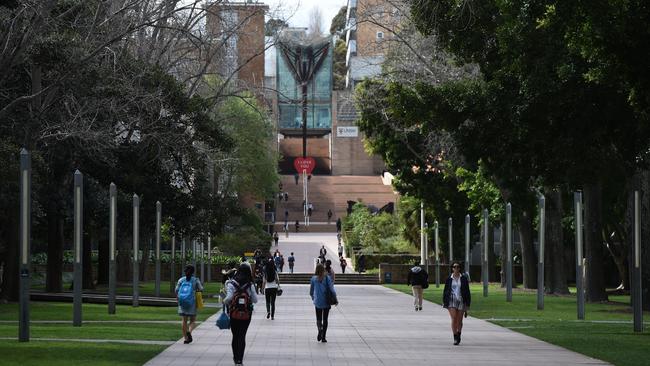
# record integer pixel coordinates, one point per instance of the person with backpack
(281, 263)
(343, 264)
(419, 279)
(186, 289)
(323, 295)
(456, 298)
(271, 284)
(240, 297)
(329, 271)
(277, 260)
(291, 261)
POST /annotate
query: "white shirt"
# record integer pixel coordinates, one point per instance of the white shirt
(455, 286)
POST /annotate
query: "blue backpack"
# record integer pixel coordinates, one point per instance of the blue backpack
(186, 293)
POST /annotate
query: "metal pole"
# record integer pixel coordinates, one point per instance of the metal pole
(486, 239)
(540, 263)
(183, 252)
(637, 289)
(304, 116)
(450, 224)
(580, 294)
(467, 218)
(112, 232)
(136, 250)
(78, 245)
(194, 250)
(426, 246)
(25, 242)
(423, 255)
(172, 267)
(158, 225)
(304, 194)
(209, 259)
(202, 261)
(307, 196)
(436, 238)
(508, 252)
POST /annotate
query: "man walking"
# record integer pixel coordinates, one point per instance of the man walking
(329, 216)
(276, 238)
(419, 279)
(291, 261)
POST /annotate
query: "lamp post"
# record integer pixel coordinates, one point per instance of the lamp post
(422, 252)
(467, 264)
(637, 289)
(508, 252)
(112, 232)
(158, 225)
(136, 251)
(172, 266)
(436, 239)
(25, 242)
(540, 263)
(426, 246)
(486, 238)
(450, 226)
(580, 294)
(78, 245)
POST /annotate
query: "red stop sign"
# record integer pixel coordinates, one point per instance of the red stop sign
(307, 164)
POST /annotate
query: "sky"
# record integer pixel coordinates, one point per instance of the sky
(298, 10)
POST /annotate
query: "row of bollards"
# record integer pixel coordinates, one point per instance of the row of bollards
(580, 292)
(25, 244)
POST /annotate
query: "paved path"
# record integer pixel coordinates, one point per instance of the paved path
(306, 247)
(373, 325)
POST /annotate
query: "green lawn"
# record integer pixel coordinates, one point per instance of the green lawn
(77, 353)
(38, 353)
(557, 323)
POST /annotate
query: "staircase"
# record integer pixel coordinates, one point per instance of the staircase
(330, 192)
(340, 279)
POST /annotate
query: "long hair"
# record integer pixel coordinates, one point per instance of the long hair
(270, 271)
(243, 274)
(328, 265)
(320, 271)
(189, 271)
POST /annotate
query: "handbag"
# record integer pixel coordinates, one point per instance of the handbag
(280, 291)
(223, 321)
(329, 295)
(199, 300)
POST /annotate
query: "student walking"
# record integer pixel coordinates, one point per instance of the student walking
(329, 216)
(276, 238)
(340, 249)
(343, 263)
(456, 298)
(286, 229)
(329, 270)
(240, 298)
(339, 225)
(271, 284)
(297, 225)
(291, 261)
(186, 289)
(419, 279)
(323, 296)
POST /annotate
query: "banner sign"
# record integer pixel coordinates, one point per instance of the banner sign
(307, 164)
(347, 131)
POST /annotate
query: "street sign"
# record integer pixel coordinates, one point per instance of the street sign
(308, 164)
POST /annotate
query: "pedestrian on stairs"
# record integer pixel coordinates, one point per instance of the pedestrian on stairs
(338, 225)
(297, 225)
(296, 177)
(286, 216)
(343, 263)
(286, 196)
(291, 261)
(276, 238)
(329, 216)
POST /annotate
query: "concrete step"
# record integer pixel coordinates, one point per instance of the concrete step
(341, 278)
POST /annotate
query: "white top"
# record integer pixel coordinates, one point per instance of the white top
(272, 284)
(455, 286)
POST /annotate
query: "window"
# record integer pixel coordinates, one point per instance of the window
(380, 36)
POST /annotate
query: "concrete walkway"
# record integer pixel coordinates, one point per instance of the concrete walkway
(373, 325)
(305, 247)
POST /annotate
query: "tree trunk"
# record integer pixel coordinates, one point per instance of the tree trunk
(10, 276)
(555, 272)
(145, 257)
(503, 253)
(528, 256)
(594, 248)
(87, 264)
(102, 260)
(492, 258)
(55, 239)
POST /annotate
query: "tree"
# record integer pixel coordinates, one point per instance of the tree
(339, 20)
(273, 26)
(315, 28)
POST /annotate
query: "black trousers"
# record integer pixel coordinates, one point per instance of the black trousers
(270, 294)
(239, 329)
(321, 320)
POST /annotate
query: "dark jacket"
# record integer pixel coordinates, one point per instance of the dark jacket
(417, 277)
(464, 291)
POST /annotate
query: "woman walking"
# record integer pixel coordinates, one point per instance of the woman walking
(456, 298)
(240, 298)
(323, 295)
(186, 289)
(271, 284)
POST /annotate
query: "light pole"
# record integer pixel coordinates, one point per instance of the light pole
(467, 265)
(450, 226)
(25, 242)
(436, 239)
(508, 252)
(112, 232)
(78, 245)
(136, 251)
(540, 263)
(637, 289)
(158, 225)
(580, 294)
(486, 238)
(422, 249)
